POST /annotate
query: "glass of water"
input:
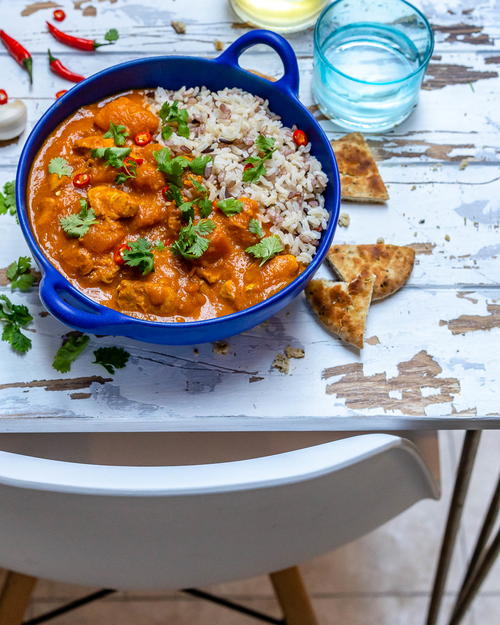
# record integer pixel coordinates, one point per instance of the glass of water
(370, 57)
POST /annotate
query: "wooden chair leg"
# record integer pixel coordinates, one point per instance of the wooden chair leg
(293, 597)
(14, 598)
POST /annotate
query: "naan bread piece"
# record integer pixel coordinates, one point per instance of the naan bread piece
(342, 308)
(391, 265)
(360, 180)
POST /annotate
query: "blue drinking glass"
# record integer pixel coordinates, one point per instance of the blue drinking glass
(370, 57)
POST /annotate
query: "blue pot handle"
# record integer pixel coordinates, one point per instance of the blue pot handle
(84, 315)
(290, 80)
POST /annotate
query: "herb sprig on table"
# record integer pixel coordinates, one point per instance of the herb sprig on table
(8, 199)
(72, 346)
(111, 358)
(15, 317)
(19, 274)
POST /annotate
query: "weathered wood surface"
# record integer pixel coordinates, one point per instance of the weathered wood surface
(432, 358)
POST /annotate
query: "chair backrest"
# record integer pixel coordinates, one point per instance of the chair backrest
(170, 527)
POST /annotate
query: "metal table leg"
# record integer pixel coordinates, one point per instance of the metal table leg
(466, 464)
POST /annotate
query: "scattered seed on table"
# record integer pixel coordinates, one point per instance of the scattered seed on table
(218, 45)
(344, 220)
(179, 27)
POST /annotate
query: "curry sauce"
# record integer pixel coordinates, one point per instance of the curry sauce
(120, 204)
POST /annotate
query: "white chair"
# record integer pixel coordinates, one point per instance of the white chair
(106, 510)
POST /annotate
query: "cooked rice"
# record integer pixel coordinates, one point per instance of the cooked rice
(226, 124)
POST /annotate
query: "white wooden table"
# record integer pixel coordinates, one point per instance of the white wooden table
(432, 358)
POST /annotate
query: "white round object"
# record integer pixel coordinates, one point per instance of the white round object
(13, 118)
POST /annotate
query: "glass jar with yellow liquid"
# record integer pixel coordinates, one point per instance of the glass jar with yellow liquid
(285, 16)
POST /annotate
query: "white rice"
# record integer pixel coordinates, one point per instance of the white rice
(225, 124)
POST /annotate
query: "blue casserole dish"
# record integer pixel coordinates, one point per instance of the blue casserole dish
(76, 310)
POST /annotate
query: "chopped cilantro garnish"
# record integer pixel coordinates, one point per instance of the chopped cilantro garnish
(171, 167)
(112, 156)
(112, 35)
(15, 317)
(266, 146)
(203, 191)
(60, 166)
(173, 118)
(266, 249)
(8, 199)
(190, 243)
(139, 254)
(199, 164)
(117, 133)
(205, 207)
(187, 210)
(174, 193)
(19, 274)
(72, 346)
(231, 206)
(255, 227)
(78, 224)
(111, 358)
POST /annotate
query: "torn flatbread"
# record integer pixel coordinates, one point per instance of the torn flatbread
(341, 307)
(360, 180)
(391, 265)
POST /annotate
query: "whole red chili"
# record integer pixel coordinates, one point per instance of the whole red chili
(4, 98)
(81, 180)
(61, 70)
(143, 138)
(118, 253)
(300, 137)
(89, 45)
(61, 93)
(165, 190)
(18, 52)
(59, 15)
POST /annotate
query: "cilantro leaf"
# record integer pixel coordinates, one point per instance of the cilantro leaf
(112, 156)
(205, 207)
(173, 118)
(255, 227)
(187, 210)
(19, 274)
(112, 35)
(139, 254)
(15, 317)
(8, 199)
(266, 249)
(174, 193)
(230, 207)
(199, 164)
(203, 191)
(252, 174)
(171, 167)
(190, 244)
(77, 224)
(60, 166)
(72, 346)
(265, 144)
(111, 358)
(266, 147)
(117, 133)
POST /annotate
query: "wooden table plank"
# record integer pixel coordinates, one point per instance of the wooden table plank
(431, 360)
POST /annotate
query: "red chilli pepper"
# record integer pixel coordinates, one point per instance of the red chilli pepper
(118, 253)
(18, 52)
(4, 98)
(300, 137)
(61, 93)
(248, 166)
(81, 180)
(129, 160)
(89, 45)
(61, 70)
(59, 15)
(165, 190)
(143, 138)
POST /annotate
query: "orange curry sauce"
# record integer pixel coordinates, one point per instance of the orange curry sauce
(222, 280)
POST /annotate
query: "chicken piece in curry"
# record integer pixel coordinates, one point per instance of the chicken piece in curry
(131, 223)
